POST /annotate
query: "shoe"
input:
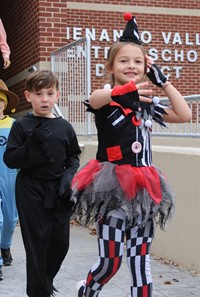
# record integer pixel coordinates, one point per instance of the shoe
(7, 257)
(80, 286)
(1, 274)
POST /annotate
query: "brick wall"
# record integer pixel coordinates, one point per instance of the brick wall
(153, 3)
(35, 28)
(188, 82)
(20, 20)
(21, 23)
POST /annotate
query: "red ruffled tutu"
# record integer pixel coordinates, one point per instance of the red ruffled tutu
(100, 187)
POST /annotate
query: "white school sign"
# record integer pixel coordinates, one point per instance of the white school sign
(166, 54)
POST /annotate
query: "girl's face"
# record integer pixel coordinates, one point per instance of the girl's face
(128, 63)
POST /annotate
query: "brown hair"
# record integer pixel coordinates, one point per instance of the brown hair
(41, 79)
(111, 57)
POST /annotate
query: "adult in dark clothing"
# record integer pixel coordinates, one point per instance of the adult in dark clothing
(45, 149)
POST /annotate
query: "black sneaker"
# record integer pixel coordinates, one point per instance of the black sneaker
(80, 286)
(1, 274)
(7, 257)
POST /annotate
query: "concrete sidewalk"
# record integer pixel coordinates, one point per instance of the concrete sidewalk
(168, 280)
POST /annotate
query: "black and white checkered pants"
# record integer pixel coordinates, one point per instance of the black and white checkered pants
(111, 233)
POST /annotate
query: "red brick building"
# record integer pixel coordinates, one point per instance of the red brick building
(169, 30)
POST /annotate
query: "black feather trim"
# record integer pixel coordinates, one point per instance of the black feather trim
(89, 108)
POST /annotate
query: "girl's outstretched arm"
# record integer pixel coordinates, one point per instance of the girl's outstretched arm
(102, 97)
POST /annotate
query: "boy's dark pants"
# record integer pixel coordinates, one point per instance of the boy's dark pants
(45, 233)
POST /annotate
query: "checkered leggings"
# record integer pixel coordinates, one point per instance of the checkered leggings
(111, 246)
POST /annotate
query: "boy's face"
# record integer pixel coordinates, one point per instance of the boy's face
(129, 62)
(43, 101)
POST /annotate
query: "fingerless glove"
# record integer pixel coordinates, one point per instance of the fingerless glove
(156, 76)
(127, 96)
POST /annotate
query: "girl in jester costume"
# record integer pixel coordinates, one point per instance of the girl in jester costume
(8, 211)
(121, 190)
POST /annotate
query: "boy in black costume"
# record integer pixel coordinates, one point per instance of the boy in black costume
(45, 149)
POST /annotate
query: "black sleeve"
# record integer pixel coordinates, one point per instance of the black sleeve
(23, 151)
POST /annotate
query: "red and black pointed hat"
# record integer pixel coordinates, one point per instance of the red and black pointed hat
(130, 33)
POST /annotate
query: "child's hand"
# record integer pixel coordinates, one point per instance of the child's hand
(145, 92)
(130, 94)
(126, 95)
(149, 61)
(42, 132)
(154, 73)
